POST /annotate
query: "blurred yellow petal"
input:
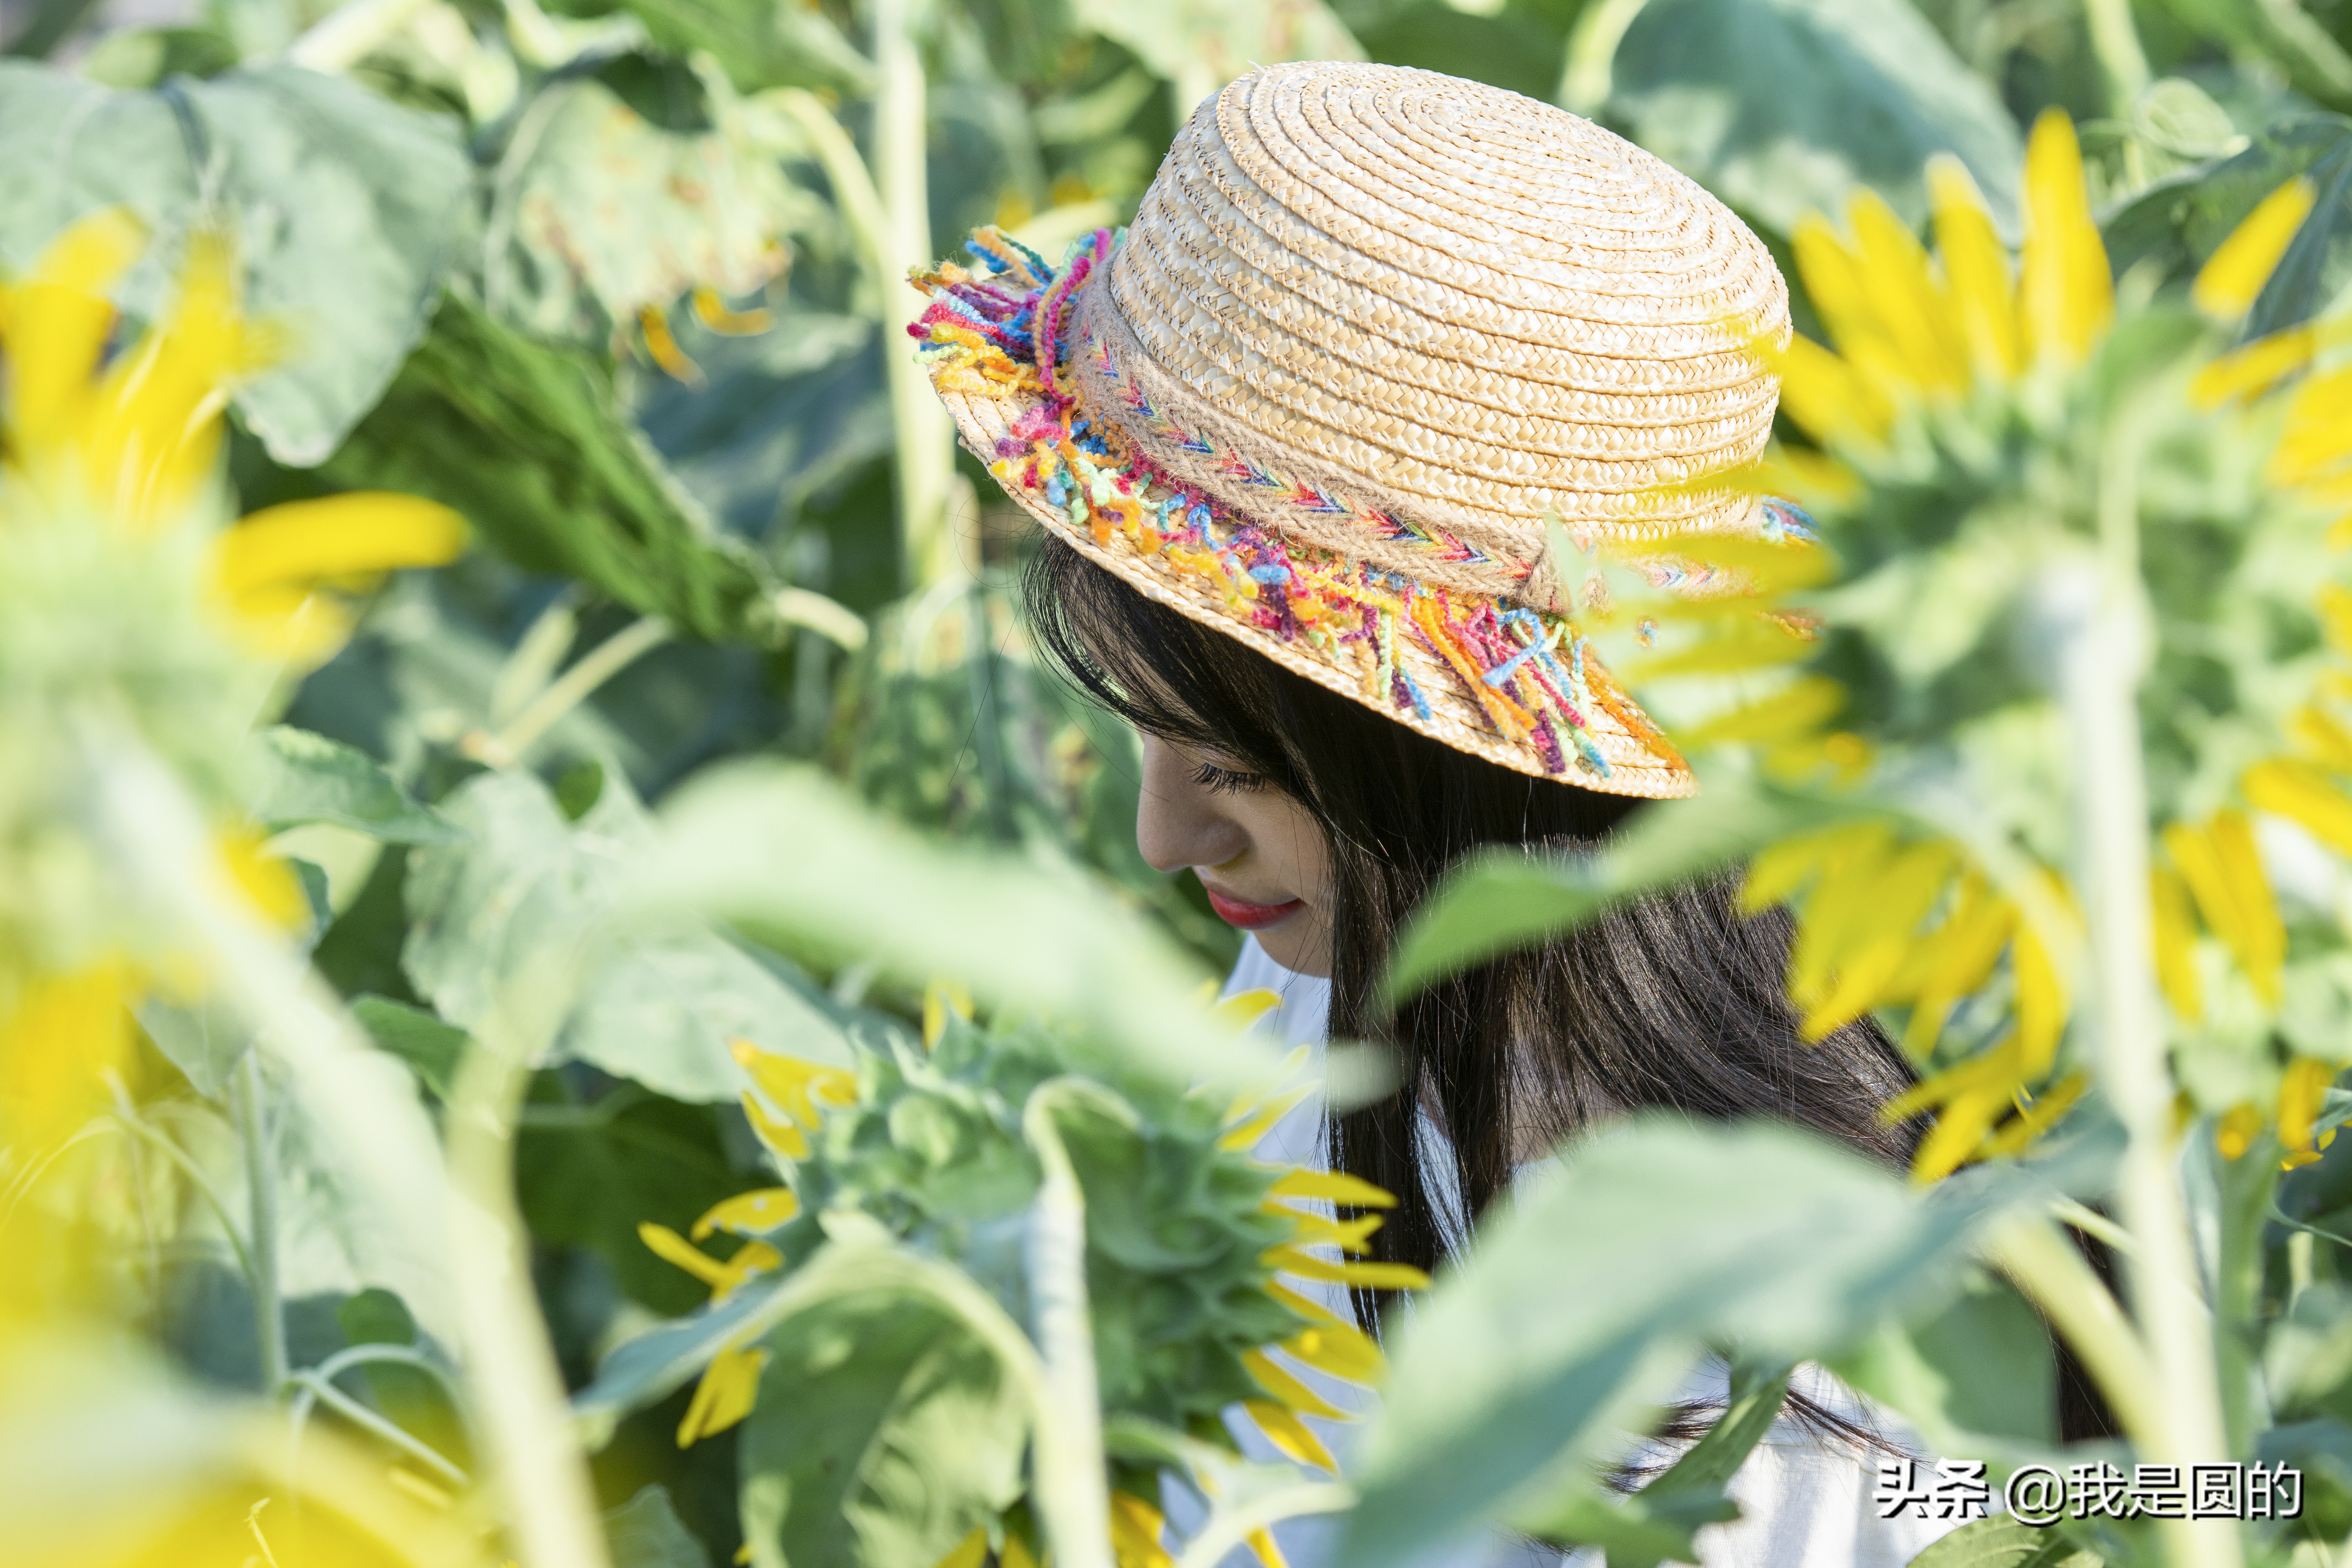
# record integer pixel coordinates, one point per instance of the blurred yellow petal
(1135, 1532)
(751, 1259)
(659, 342)
(1840, 909)
(2066, 289)
(972, 1550)
(713, 313)
(730, 1387)
(2235, 1132)
(2317, 437)
(155, 427)
(1965, 949)
(779, 1133)
(1349, 1236)
(2300, 793)
(1243, 1008)
(2261, 364)
(796, 1087)
(58, 324)
(2263, 938)
(1340, 1349)
(268, 883)
(2176, 944)
(1993, 1072)
(750, 1214)
(1286, 1432)
(1017, 1553)
(1958, 1135)
(1912, 311)
(1976, 269)
(2017, 1133)
(2328, 742)
(1797, 708)
(2302, 1094)
(2041, 1004)
(56, 1047)
(941, 999)
(1269, 1555)
(1262, 1118)
(2228, 283)
(1827, 396)
(338, 536)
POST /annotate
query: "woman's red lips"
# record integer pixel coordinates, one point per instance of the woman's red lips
(1250, 917)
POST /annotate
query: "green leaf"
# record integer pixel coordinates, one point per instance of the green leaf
(1780, 107)
(2178, 225)
(2283, 35)
(1503, 900)
(345, 206)
(531, 895)
(1978, 1368)
(204, 1040)
(1201, 44)
(888, 1456)
(758, 45)
(431, 1048)
(2002, 1542)
(527, 440)
(302, 778)
(1517, 1363)
(782, 849)
(645, 1532)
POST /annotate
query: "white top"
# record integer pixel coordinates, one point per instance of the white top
(1802, 1503)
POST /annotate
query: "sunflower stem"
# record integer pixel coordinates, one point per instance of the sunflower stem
(925, 451)
(249, 1106)
(535, 1461)
(2106, 640)
(1072, 1487)
(575, 686)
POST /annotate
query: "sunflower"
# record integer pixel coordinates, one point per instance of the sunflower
(1195, 1280)
(1959, 417)
(134, 604)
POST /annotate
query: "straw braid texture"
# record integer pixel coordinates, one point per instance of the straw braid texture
(1370, 327)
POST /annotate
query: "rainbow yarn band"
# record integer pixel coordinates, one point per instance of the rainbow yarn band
(1004, 330)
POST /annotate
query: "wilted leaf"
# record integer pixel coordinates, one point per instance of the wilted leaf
(525, 438)
(345, 206)
(1780, 107)
(304, 778)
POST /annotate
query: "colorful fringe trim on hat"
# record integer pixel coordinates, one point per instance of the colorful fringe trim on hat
(1003, 333)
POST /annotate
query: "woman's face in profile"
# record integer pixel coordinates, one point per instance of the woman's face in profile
(1255, 849)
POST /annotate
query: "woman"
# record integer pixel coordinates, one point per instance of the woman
(1317, 444)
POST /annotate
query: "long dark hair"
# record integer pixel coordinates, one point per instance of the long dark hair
(1675, 1001)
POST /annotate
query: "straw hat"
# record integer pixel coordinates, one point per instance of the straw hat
(1376, 340)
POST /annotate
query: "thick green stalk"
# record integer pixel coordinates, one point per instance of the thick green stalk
(1072, 1486)
(249, 1106)
(536, 1465)
(926, 451)
(2105, 648)
(2115, 41)
(2049, 1272)
(1588, 75)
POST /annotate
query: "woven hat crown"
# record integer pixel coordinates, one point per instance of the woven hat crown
(1443, 303)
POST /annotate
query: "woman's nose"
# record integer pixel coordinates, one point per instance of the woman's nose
(1177, 821)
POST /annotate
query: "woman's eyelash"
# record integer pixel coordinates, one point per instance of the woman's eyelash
(1210, 777)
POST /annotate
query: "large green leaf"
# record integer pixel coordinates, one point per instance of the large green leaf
(531, 895)
(1975, 1370)
(781, 848)
(1780, 107)
(527, 440)
(2180, 222)
(1201, 44)
(344, 203)
(890, 1457)
(1568, 1315)
(305, 778)
(645, 1532)
(757, 44)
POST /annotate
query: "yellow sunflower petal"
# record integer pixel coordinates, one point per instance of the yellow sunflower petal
(1371, 1276)
(2262, 932)
(2327, 742)
(1261, 1121)
(2317, 437)
(154, 429)
(1335, 1186)
(1269, 1555)
(1829, 397)
(55, 1047)
(2303, 1091)
(338, 536)
(942, 998)
(1286, 1432)
(1016, 1553)
(1797, 708)
(2261, 364)
(730, 1387)
(2228, 283)
(972, 1550)
(654, 322)
(1976, 268)
(782, 1135)
(1289, 1390)
(2234, 1133)
(2041, 1002)
(2019, 1132)
(1912, 311)
(750, 1214)
(1242, 1008)
(2300, 793)
(713, 313)
(2066, 290)
(1342, 1351)
(1957, 1135)
(1135, 1532)
(59, 323)
(2176, 944)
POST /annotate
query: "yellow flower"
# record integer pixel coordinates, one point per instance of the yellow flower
(786, 1100)
(57, 1041)
(730, 1384)
(2303, 1090)
(135, 440)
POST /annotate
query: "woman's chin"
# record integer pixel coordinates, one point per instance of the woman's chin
(1301, 944)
